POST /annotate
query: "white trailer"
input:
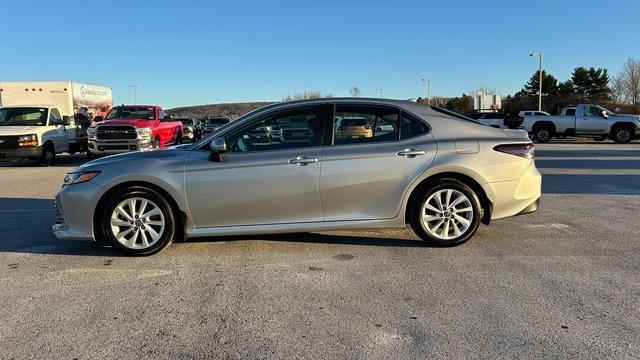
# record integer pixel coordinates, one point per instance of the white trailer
(42, 118)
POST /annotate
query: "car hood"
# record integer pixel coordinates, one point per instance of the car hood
(625, 116)
(134, 122)
(134, 156)
(19, 130)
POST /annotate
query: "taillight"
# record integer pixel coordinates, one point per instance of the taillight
(520, 120)
(526, 150)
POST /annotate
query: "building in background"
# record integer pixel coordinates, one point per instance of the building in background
(485, 102)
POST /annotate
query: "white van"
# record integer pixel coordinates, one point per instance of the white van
(41, 119)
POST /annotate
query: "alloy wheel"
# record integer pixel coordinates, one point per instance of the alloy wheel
(137, 223)
(623, 136)
(447, 214)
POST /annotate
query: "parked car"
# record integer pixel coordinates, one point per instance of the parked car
(191, 129)
(353, 128)
(439, 172)
(133, 127)
(533, 113)
(587, 120)
(213, 124)
(493, 119)
(40, 119)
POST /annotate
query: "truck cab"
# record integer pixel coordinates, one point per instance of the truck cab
(132, 128)
(35, 132)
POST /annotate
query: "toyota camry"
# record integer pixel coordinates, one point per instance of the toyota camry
(439, 172)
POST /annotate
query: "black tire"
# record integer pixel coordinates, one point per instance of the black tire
(542, 134)
(155, 143)
(48, 156)
(622, 135)
(415, 218)
(170, 227)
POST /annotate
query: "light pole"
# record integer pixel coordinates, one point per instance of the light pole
(380, 89)
(428, 80)
(135, 93)
(540, 54)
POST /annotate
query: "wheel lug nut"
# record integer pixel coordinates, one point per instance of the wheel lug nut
(135, 228)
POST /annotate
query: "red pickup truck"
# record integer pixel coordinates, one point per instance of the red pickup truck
(133, 127)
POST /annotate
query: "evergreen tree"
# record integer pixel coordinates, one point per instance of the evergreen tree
(549, 84)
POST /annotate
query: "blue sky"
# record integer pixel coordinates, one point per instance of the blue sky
(192, 52)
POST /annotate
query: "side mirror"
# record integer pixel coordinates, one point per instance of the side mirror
(66, 120)
(98, 118)
(218, 146)
(604, 114)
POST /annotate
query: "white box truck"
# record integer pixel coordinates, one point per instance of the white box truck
(39, 119)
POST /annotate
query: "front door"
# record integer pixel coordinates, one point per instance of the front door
(365, 173)
(269, 174)
(592, 121)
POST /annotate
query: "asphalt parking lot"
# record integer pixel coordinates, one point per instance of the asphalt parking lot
(563, 282)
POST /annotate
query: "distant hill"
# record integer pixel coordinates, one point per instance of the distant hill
(231, 110)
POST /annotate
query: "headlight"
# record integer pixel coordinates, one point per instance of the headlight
(80, 177)
(28, 140)
(144, 132)
(91, 132)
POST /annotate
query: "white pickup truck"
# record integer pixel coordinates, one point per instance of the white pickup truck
(588, 120)
(40, 119)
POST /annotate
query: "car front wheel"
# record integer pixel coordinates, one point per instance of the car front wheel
(446, 214)
(138, 221)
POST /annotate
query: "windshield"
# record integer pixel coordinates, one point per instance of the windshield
(131, 112)
(23, 117)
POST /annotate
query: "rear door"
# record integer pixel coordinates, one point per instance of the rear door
(364, 178)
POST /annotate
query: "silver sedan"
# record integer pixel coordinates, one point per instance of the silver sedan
(296, 167)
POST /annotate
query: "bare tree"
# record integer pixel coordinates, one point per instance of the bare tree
(355, 91)
(629, 82)
(618, 93)
(306, 95)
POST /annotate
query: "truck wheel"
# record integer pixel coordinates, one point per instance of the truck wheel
(48, 154)
(542, 134)
(155, 143)
(622, 135)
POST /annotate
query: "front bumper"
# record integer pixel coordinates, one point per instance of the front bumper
(107, 147)
(20, 153)
(75, 205)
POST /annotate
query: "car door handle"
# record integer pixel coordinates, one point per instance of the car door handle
(303, 160)
(411, 152)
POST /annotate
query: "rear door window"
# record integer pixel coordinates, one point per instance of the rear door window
(362, 124)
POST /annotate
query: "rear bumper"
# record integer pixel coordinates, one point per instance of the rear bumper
(517, 197)
(107, 147)
(21, 153)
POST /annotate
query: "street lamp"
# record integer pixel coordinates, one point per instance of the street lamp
(135, 93)
(428, 80)
(380, 89)
(540, 55)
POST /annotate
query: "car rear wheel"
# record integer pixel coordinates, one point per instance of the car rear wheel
(446, 214)
(138, 221)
